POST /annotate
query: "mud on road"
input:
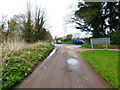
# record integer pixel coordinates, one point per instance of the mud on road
(64, 69)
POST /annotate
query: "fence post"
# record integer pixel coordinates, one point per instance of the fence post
(91, 44)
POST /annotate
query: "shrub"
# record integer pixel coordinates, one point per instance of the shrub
(18, 64)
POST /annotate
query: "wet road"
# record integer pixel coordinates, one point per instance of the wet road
(64, 69)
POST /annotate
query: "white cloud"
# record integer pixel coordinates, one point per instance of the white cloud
(56, 11)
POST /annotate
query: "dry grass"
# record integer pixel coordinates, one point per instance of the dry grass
(8, 47)
(18, 45)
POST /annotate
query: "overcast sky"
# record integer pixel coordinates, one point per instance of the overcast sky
(56, 11)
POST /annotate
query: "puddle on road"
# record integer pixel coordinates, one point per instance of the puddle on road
(52, 53)
(73, 65)
(72, 61)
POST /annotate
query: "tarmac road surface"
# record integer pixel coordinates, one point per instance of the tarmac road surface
(64, 68)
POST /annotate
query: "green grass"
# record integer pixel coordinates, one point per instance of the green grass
(19, 64)
(105, 63)
(102, 46)
(67, 43)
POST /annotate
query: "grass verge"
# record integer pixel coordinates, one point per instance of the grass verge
(67, 43)
(20, 63)
(105, 63)
(102, 46)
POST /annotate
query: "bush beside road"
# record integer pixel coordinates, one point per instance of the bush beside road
(105, 62)
(20, 63)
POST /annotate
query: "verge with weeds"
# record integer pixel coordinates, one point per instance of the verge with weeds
(19, 63)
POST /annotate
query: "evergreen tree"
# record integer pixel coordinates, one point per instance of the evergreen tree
(28, 31)
(39, 23)
(98, 16)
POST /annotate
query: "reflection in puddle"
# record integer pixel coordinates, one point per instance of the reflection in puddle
(73, 65)
(72, 61)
